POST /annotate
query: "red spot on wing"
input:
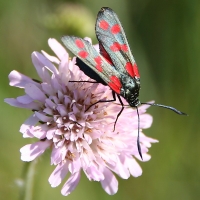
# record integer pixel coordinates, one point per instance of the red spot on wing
(79, 43)
(114, 87)
(124, 47)
(115, 84)
(115, 47)
(119, 47)
(99, 68)
(103, 25)
(83, 54)
(129, 69)
(132, 69)
(136, 71)
(115, 29)
(116, 80)
(98, 60)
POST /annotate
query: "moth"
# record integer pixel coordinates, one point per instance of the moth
(114, 64)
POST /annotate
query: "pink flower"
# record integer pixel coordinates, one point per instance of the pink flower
(79, 139)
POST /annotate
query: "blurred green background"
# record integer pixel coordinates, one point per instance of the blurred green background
(165, 39)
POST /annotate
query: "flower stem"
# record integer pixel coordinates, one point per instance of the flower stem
(28, 173)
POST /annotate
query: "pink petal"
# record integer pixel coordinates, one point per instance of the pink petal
(55, 84)
(110, 183)
(96, 134)
(15, 103)
(43, 117)
(39, 131)
(74, 166)
(88, 39)
(57, 155)
(51, 104)
(42, 64)
(45, 62)
(96, 46)
(48, 111)
(31, 151)
(62, 110)
(34, 92)
(57, 48)
(51, 58)
(146, 157)
(63, 67)
(58, 174)
(88, 138)
(50, 133)
(24, 99)
(48, 89)
(144, 107)
(54, 99)
(71, 184)
(133, 166)
(146, 121)
(75, 69)
(146, 141)
(19, 80)
(94, 174)
(26, 126)
(60, 95)
(120, 169)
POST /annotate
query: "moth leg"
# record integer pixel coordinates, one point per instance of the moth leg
(84, 81)
(103, 101)
(138, 137)
(111, 100)
(122, 108)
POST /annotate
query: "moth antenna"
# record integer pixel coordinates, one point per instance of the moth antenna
(167, 107)
(138, 137)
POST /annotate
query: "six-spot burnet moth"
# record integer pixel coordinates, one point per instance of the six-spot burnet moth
(114, 65)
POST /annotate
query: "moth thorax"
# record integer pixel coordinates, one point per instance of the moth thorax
(130, 90)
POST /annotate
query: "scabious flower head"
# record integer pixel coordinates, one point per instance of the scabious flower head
(79, 139)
